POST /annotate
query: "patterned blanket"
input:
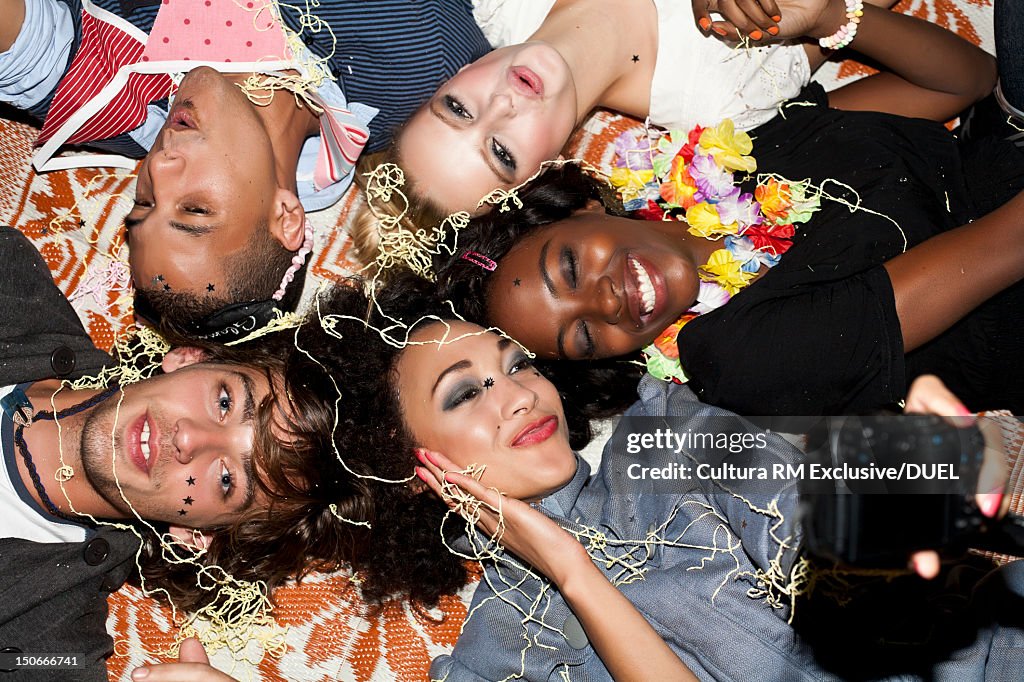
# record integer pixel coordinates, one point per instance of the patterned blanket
(75, 219)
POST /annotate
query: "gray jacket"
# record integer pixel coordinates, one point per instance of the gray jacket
(53, 596)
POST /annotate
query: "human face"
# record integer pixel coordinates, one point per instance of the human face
(593, 286)
(490, 126)
(181, 442)
(479, 400)
(206, 184)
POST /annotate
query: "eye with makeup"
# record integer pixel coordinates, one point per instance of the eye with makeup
(196, 210)
(519, 362)
(462, 393)
(502, 154)
(456, 107)
(570, 267)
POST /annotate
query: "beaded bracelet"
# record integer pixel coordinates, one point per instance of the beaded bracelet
(844, 36)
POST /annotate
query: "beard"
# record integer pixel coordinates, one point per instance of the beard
(104, 452)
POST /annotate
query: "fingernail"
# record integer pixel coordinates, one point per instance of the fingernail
(448, 477)
(774, 30)
(705, 23)
(964, 412)
(419, 454)
(989, 503)
(140, 673)
(421, 473)
(719, 31)
(756, 34)
(776, 18)
(430, 457)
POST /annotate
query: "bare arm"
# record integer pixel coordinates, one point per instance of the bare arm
(942, 279)
(932, 73)
(13, 15)
(628, 646)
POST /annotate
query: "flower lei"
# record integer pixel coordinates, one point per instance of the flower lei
(691, 177)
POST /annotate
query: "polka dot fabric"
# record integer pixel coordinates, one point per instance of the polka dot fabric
(216, 31)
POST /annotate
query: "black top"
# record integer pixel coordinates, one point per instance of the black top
(818, 333)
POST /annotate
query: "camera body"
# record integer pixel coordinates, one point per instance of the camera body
(909, 484)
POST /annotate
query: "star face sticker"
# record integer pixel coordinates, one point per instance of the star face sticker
(187, 500)
(636, 58)
(191, 480)
(167, 287)
(516, 282)
(210, 287)
(158, 279)
(182, 512)
(488, 382)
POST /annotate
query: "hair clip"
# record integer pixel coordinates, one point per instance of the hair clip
(479, 259)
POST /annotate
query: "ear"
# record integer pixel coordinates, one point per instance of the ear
(190, 536)
(287, 219)
(593, 206)
(182, 356)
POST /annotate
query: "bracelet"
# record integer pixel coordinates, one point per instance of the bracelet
(844, 36)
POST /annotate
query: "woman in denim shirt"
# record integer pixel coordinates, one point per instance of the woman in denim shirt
(611, 576)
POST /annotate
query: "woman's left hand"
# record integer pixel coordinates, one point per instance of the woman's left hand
(526, 532)
(193, 666)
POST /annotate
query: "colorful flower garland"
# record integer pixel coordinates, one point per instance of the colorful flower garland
(692, 177)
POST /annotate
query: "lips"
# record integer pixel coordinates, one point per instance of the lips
(526, 82)
(141, 440)
(536, 432)
(646, 296)
(182, 116)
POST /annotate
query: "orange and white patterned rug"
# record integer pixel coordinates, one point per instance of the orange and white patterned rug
(75, 217)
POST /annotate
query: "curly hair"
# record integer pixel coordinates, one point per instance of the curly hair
(294, 468)
(402, 553)
(598, 388)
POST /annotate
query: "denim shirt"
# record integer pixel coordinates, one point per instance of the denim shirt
(701, 594)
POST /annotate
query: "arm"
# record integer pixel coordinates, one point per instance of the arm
(942, 279)
(628, 646)
(932, 73)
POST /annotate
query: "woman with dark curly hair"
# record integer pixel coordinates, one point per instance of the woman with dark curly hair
(590, 575)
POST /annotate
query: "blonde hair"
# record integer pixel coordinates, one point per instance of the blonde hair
(418, 209)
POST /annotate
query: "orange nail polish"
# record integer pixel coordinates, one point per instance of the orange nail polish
(756, 35)
(719, 31)
(774, 30)
(705, 23)
(777, 18)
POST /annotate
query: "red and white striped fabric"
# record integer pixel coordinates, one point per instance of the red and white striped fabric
(105, 48)
(118, 70)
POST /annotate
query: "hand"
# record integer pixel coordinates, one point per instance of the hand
(761, 20)
(528, 533)
(928, 395)
(193, 666)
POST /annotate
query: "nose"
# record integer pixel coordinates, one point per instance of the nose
(607, 306)
(502, 104)
(166, 160)
(517, 399)
(193, 438)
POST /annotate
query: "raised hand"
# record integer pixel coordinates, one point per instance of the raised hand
(517, 526)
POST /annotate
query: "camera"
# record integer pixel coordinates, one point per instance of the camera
(888, 485)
